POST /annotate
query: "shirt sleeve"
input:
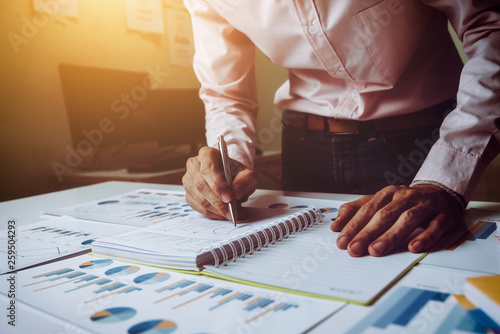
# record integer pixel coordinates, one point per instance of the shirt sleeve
(469, 136)
(224, 65)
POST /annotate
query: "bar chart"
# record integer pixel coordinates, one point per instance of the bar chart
(411, 309)
(89, 292)
(141, 208)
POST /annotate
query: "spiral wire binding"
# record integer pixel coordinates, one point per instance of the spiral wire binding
(311, 216)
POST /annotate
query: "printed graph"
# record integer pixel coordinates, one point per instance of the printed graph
(81, 280)
(408, 310)
(159, 301)
(138, 208)
(481, 231)
(153, 327)
(221, 297)
(115, 314)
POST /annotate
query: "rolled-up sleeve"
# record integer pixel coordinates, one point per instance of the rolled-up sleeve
(469, 136)
(224, 65)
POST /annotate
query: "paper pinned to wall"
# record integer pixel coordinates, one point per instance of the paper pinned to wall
(180, 38)
(145, 16)
(57, 8)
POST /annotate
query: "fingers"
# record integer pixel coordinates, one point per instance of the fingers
(244, 184)
(407, 221)
(201, 198)
(379, 224)
(211, 174)
(207, 190)
(346, 212)
(356, 224)
(431, 236)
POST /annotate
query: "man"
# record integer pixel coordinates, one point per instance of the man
(370, 83)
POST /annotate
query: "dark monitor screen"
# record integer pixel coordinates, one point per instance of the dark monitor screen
(126, 109)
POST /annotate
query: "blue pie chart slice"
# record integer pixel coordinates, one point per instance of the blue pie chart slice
(115, 314)
(153, 327)
(122, 270)
(108, 202)
(278, 206)
(96, 264)
(89, 241)
(329, 210)
(151, 278)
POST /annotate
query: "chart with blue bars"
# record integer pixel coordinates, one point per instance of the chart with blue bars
(57, 234)
(410, 309)
(81, 280)
(482, 241)
(482, 230)
(126, 295)
(138, 208)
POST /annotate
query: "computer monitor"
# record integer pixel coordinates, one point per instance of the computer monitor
(124, 104)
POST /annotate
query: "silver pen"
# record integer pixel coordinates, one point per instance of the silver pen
(227, 173)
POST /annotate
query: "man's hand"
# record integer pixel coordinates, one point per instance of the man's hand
(377, 224)
(206, 188)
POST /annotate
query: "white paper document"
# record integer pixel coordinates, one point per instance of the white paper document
(142, 207)
(422, 302)
(145, 15)
(101, 295)
(53, 238)
(477, 249)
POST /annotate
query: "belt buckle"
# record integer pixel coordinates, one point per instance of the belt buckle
(326, 124)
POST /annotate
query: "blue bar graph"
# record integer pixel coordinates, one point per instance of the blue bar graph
(484, 232)
(56, 272)
(177, 285)
(237, 296)
(221, 292)
(261, 303)
(403, 306)
(111, 287)
(99, 282)
(200, 289)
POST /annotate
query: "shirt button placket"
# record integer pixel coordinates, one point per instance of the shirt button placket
(312, 29)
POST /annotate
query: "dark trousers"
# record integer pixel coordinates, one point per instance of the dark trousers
(361, 163)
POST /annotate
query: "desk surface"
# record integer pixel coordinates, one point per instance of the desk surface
(27, 210)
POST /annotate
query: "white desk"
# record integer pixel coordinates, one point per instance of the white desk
(27, 210)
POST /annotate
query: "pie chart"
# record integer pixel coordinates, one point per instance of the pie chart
(115, 314)
(278, 206)
(153, 327)
(329, 210)
(122, 270)
(88, 241)
(96, 264)
(108, 202)
(151, 278)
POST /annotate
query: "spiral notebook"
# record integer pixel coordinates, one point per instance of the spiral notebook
(193, 243)
(291, 252)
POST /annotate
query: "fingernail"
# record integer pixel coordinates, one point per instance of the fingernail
(342, 242)
(356, 248)
(226, 197)
(379, 248)
(417, 246)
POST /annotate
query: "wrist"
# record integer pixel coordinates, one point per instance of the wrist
(457, 198)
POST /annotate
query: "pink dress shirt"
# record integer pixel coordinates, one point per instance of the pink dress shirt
(358, 60)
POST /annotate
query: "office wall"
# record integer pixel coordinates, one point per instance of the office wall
(34, 129)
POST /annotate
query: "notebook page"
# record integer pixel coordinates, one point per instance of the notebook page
(311, 262)
(188, 235)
